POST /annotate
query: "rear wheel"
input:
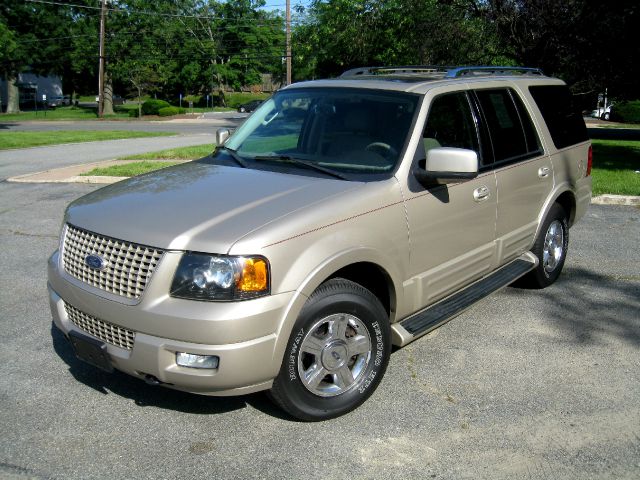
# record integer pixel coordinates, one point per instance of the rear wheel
(337, 353)
(551, 249)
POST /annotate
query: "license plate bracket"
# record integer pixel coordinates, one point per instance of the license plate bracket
(91, 351)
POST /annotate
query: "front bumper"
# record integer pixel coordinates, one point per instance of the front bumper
(246, 332)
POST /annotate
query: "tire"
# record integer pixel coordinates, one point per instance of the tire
(606, 116)
(551, 249)
(337, 354)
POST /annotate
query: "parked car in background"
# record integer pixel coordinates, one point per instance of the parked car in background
(115, 99)
(249, 106)
(58, 101)
(603, 113)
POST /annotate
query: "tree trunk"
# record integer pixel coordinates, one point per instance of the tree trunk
(107, 109)
(13, 96)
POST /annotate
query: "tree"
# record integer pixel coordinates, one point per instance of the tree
(33, 34)
(341, 34)
(590, 44)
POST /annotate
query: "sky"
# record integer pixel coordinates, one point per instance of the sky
(280, 4)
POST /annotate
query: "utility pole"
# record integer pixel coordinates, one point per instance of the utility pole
(103, 12)
(288, 42)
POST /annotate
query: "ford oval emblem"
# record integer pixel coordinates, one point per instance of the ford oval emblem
(95, 262)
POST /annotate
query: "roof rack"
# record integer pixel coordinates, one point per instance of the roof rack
(446, 71)
(490, 70)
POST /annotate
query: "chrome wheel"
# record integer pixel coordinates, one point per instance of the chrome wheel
(553, 249)
(334, 354)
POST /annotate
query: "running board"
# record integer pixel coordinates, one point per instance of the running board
(423, 322)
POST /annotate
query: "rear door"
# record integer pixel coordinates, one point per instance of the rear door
(523, 172)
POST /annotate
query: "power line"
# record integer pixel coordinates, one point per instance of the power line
(143, 12)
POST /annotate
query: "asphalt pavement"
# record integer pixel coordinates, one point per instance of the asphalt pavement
(526, 384)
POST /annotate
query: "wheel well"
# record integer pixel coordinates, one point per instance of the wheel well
(568, 202)
(373, 278)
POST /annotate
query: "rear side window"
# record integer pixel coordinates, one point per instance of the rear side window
(510, 128)
(563, 120)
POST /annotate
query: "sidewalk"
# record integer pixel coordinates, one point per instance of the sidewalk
(19, 162)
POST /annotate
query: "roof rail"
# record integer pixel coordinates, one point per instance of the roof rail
(395, 69)
(490, 70)
(447, 71)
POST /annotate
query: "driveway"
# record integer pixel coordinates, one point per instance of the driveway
(526, 384)
(29, 160)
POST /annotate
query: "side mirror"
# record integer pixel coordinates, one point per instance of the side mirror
(448, 165)
(221, 135)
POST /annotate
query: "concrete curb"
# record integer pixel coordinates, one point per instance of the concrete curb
(616, 200)
(73, 173)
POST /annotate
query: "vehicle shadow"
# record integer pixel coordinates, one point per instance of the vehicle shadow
(144, 395)
(591, 308)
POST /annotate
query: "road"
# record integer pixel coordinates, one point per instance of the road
(526, 384)
(209, 124)
(22, 161)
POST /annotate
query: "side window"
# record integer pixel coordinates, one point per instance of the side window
(510, 127)
(563, 120)
(450, 123)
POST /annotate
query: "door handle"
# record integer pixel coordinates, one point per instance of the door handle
(481, 193)
(543, 172)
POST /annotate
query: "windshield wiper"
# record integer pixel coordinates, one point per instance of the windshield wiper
(299, 161)
(237, 158)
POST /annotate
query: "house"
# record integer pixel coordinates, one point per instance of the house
(31, 88)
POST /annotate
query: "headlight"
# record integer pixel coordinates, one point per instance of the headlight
(219, 277)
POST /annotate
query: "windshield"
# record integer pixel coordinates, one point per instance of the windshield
(360, 131)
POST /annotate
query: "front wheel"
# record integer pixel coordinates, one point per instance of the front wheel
(337, 353)
(551, 249)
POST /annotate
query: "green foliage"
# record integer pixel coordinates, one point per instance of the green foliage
(342, 34)
(235, 99)
(170, 111)
(152, 107)
(626, 112)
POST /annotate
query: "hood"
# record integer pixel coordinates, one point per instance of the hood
(197, 206)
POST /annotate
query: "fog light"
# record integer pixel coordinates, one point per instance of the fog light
(192, 360)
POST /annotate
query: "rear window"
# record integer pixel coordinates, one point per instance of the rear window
(563, 120)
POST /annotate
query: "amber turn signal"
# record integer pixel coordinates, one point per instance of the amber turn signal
(255, 275)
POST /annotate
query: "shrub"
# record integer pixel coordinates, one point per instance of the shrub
(151, 107)
(627, 112)
(169, 111)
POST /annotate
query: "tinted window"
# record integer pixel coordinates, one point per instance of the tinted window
(512, 133)
(450, 123)
(563, 120)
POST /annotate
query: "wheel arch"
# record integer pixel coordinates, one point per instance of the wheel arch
(365, 267)
(566, 198)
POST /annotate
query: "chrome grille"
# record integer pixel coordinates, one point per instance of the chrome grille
(128, 265)
(105, 331)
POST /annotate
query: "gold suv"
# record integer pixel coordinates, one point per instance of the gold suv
(343, 217)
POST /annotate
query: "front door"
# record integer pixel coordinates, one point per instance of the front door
(451, 227)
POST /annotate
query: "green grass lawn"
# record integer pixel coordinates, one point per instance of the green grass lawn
(63, 113)
(614, 165)
(182, 153)
(36, 139)
(129, 169)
